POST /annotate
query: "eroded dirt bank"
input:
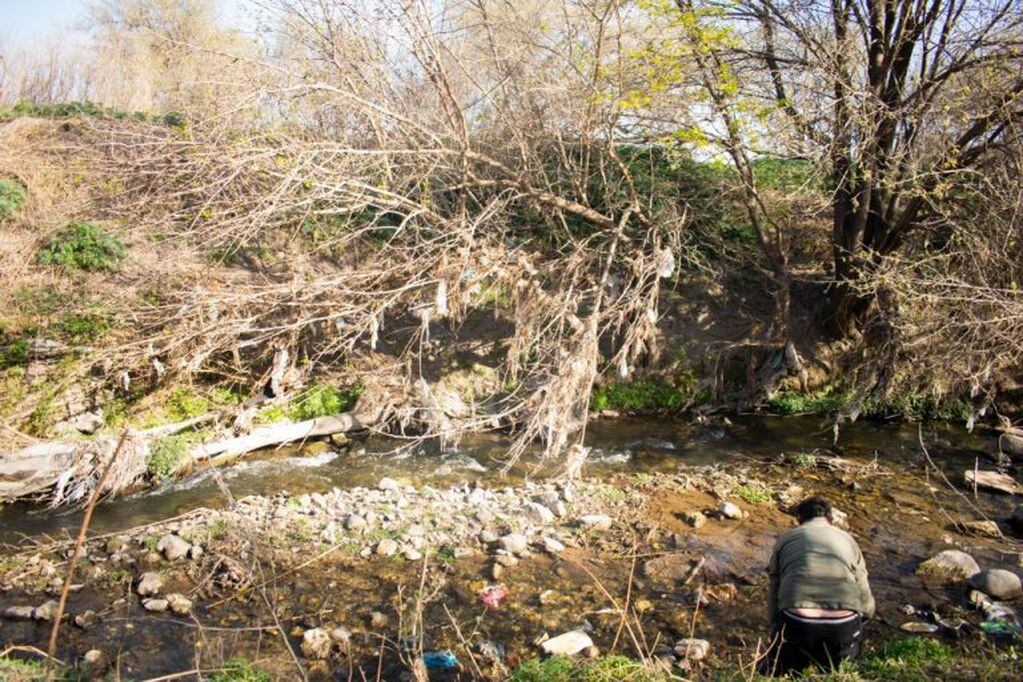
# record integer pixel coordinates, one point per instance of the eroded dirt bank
(384, 572)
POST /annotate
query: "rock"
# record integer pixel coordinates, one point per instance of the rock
(488, 537)
(951, 564)
(155, 605)
(552, 501)
(998, 583)
(1011, 444)
(729, 510)
(596, 521)
(567, 644)
(506, 560)
(919, 627)
(388, 484)
(537, 513)
(19, 612)
(45, 611)
(355, 522)
(173, 547)
(149, 584)
(340, 635)
(179, 604)
(514, 543)
(413, 554)
(995, 481)
(386, 547)
(93, 664)
(117, 545)
(693, 518)
(85, 619)
(665, 571)
(484, 516)
(552, 546)
(692, 649)
(195, 551)
(88, 423)
(316, 643)
(496, 571)
(986, 528)
(377, 620)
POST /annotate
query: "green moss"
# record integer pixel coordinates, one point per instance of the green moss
(12, 198)
(185, 403)
(907, 659)
(271, 415)
(83, 246)
(753, 494)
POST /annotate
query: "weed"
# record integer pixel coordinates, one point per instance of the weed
(556, 669)
(151, 542)
(753, 494)
(801, 460)
(83, 328)
(13, 353)
(240, 670)
(83, 246)
(825, 401)
(619, 668)
(184, 403)
(446, 554)
(17, 670)
(906, 659)
(12, 198)
(271, 415)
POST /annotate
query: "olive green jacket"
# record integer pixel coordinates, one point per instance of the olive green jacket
(818, 566)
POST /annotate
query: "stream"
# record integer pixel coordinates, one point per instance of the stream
(626, 445)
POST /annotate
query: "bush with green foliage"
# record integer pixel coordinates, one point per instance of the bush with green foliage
(83, 328)
(824, 401)
(831, 399)
(167, 456)
(753, 494)
(13, 352)
(610, 668)
(322, 400)
(240, 670)
(83, 246)
(27, 108)
(12, 198)
(636, 396)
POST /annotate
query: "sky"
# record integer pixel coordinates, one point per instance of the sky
(28, 22)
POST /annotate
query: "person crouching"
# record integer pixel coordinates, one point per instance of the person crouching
(819, 594)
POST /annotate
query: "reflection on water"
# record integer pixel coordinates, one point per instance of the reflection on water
(620, 445)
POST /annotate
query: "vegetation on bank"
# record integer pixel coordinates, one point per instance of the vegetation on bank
(27, 108)
(12, 198)
(832, 399)
(83, 246)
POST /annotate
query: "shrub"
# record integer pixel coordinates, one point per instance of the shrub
(638, 395)
(556, 669)
(83, 246)
(12, 198)
(321, 400)
(824, 401)
(166, 456)
(83, 328)
(13, 352)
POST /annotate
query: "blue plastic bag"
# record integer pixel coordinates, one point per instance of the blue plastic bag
(439, 660)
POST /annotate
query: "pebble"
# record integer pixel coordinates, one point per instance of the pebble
(179, 604)
(506, 560)
(998, 583)
(537, 513)
(173, 547)
(388, 484)
(692, 649)
(155, 605)
(596, 521)
(316, 643)
(693, 518)
(386, 547)
(730, 510)
(496, 571)
(85, 619)
(150, 583)
(355, 522)
(552, 546)
(567, 644)
(413, 554)
(19, 612)
(515, 543)
(488, 537)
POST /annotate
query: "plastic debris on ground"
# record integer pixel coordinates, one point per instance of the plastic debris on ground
(919, 627)
(439, 660)
(492, 595)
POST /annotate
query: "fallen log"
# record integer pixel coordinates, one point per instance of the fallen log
(993, 481)
(61, 473)
(280, 434)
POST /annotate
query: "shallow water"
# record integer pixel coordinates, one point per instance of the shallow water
(627, 445)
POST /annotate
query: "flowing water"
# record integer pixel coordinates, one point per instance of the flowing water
(619, 446)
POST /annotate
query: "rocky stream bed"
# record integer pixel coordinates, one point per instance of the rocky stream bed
(403, 579)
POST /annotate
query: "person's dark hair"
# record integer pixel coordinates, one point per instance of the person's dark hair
(812, 508)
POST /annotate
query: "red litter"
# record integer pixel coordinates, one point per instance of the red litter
(492, 595)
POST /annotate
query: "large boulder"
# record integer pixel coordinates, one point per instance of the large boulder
(951, 564)
(1011, 444)
(998, 583)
